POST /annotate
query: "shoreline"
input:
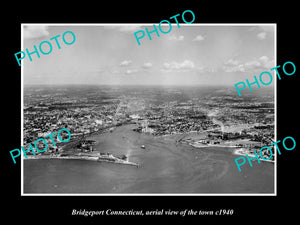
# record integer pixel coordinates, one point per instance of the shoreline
(237, 151)
(167, 167)
(241, 151)
(88, 158)
(197, 145)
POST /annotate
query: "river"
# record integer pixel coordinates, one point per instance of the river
(166, 167)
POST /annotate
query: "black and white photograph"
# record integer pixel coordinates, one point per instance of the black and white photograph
(149, 113)
(154, 115)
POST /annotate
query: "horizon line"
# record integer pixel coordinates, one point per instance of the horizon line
(162, 85)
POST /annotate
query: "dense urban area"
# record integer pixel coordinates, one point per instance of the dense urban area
(219, 115)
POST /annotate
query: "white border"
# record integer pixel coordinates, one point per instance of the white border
(156, 194)
(22, 111)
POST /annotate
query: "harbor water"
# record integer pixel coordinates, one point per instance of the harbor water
(165, 167)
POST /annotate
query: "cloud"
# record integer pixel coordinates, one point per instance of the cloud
(267, 28)
(264, 59)
(174, 38)
(147, 65)
(237, 68)
(252, 64)
(184, 66)
(130, 28)
(261, 63)
(199, 38)
(124, 28)
(35, 31)
(130, 71)
(261, 35)
(125, 63)
(266, 62)
(263, 31)
(233, 62)
(233, 65)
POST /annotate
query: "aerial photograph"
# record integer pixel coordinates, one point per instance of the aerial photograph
(159, 118)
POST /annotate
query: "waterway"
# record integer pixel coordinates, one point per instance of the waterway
(166, 167)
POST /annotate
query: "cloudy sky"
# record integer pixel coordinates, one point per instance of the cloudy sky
(190, 55)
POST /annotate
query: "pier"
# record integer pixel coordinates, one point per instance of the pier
(102, 158)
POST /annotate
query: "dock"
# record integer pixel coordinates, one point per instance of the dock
(102, 158)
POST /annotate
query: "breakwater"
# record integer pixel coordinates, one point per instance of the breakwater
(108, 159)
